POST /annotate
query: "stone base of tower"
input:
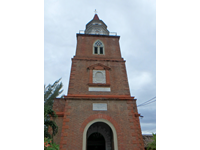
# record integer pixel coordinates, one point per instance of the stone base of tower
(81, 122)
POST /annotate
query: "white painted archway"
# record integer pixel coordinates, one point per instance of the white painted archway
(104, 121)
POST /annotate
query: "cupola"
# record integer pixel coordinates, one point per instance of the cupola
(96, 26)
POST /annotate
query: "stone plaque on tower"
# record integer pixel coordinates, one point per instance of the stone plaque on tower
(100, 106)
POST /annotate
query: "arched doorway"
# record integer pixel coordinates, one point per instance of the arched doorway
(90, 123)
(99, 137)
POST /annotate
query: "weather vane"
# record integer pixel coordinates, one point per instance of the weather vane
(95, 11)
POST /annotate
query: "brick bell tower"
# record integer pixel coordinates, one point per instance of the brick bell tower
(98, 112)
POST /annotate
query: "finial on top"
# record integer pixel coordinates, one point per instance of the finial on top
(95, 16)
(95, 11)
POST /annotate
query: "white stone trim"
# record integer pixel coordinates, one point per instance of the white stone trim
(100, 89)
(99, 106)
(100, 120)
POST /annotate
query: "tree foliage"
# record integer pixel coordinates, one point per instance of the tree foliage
(48, 145)
(50, 93)
(152, 145)
(48, 113)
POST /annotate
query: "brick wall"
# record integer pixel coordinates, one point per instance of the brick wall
(75, 112)
(80, 74)
(85, 46)
(121, 113)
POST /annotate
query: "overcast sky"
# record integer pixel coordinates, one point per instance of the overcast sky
(135, 23)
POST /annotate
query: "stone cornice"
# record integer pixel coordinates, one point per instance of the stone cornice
(100, 59)
(98, 35)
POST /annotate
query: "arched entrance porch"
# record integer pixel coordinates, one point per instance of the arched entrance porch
(105, 129)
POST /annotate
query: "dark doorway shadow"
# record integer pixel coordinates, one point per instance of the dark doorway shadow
(96, 142)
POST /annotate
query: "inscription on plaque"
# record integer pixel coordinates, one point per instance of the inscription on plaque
(100, 106)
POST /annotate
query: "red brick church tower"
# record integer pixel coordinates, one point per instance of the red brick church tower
(98, 112)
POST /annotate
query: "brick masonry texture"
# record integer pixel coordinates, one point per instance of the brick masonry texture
(79, 81)
(80, 113)
(75, 110)
(85, 46)
(80, 75)
(59, 105)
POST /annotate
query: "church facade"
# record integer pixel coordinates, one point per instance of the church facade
(98, 113)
